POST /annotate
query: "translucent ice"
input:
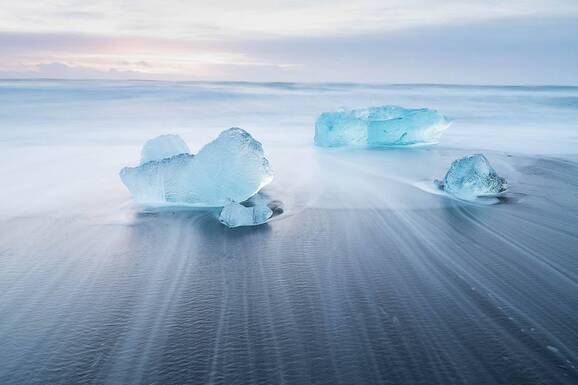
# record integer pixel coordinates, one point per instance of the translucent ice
(231, 167)
(471, 177)
(235, 215)
(163, 147)
(380, 126)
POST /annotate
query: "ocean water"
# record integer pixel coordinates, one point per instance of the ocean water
(366, 278)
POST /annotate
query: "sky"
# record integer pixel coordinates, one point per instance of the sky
(372, 41)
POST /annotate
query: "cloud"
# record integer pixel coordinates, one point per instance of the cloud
(517, 50)
(224, 71)
(154, 58)
(61, 70)
(219, 19)
(58, 70)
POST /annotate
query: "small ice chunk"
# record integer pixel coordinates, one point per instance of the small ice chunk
(235, 215)
(553, 349)
(471, 177)
(231, 167)
(162, 147)
(380, 126)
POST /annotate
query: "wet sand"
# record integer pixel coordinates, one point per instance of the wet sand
(365, 278)
(368, 276)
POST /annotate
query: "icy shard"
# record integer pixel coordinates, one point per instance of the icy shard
(162, 147)
(231, 167)
(471, 177)
(380, 126)
(235, 215)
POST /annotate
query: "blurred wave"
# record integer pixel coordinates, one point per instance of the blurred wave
(365, 278)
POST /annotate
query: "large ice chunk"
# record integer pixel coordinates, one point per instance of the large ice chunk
(472, 177)
(235, 215)
(231, 167)
(380, 126)
(163, 147)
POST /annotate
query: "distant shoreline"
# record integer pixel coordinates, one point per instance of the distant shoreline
(287, 83)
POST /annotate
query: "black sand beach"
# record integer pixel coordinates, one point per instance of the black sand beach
(365, 278)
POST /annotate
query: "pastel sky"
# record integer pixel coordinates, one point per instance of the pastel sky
(381, 41)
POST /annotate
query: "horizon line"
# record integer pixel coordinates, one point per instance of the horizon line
(431, 84)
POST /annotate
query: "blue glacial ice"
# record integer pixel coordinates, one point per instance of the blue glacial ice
(162, 147)
(472, 177)
(380, 126)
(231, 167)
(235, 215)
